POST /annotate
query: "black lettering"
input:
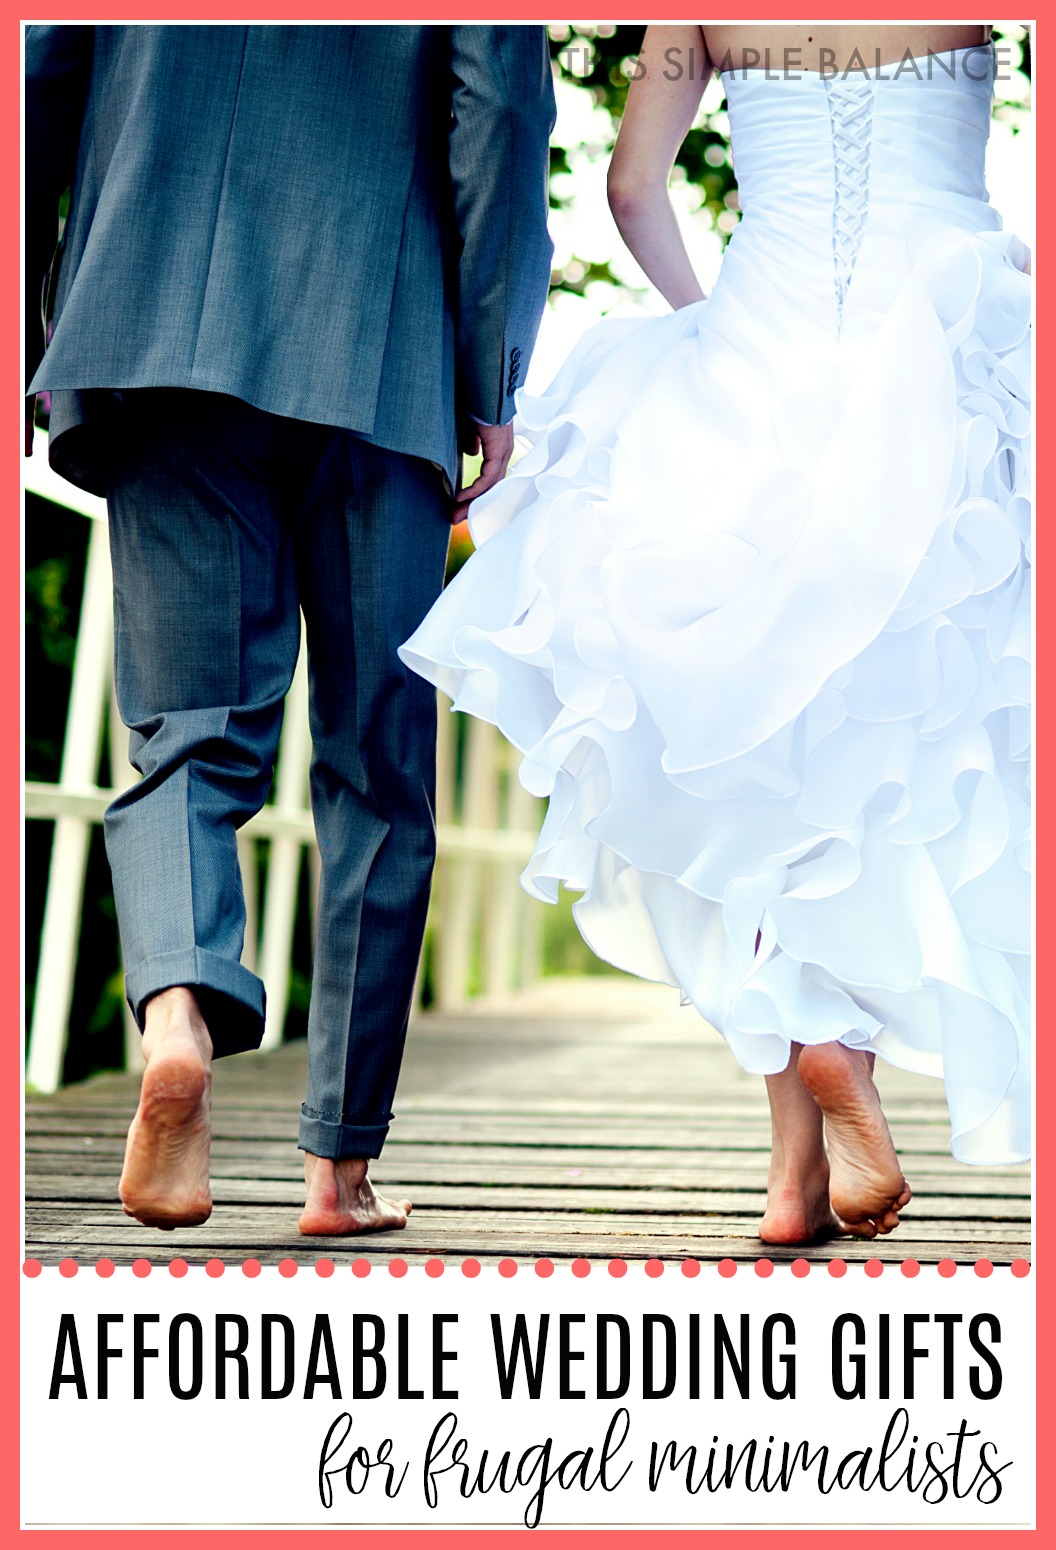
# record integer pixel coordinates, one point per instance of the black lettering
(883, 1351)
(724, 1352)
(787, 1360)
(607, 1321)
(506, 1370)
(991, 1321)
(268, 1322)
(322, 1346)
(566, 1356)
(947, 1320)
(857, 1360)
(441, 1355)
(67, 1341)
(235, 1353)
(343, 1425)
(991, 1473)
(650, 1322)
(105, 1350)
(140, 1352)
(403, 1381)
(361, 1353)
(910, 1352)
(180, 1322)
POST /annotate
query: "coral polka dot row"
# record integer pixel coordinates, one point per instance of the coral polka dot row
(507, 1268)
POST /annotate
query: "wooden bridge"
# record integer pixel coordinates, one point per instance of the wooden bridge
(587, 1117)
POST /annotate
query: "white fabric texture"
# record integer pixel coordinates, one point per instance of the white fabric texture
(755, 607)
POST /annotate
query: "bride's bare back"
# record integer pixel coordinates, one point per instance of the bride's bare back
(674, 65)
(824, 47)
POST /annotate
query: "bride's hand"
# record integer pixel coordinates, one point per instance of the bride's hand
(495, 443)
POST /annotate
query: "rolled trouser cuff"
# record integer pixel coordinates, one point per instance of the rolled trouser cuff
(231, 998)
(326, 1136)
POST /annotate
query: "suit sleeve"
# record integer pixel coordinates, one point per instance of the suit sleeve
(502, 115)
(58, 66)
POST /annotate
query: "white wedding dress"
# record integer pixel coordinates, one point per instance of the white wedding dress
(755, 606)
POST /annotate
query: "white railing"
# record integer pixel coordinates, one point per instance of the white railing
(480, 938)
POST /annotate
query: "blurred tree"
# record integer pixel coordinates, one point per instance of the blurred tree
(599, 59)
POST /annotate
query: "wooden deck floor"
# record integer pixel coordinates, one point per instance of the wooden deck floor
(594, 1118)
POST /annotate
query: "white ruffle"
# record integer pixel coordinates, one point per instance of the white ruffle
(767, 653)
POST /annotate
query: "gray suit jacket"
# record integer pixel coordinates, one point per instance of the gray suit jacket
(344, 224)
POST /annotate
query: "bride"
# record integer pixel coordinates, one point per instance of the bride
(755, 605)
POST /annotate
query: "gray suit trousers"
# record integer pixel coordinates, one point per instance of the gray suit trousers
(225, 523)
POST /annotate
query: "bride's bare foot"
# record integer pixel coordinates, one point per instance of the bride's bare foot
(341, 1199)
(165, 1179)
(797, 1205)
(797, 1189)
(867, 1187)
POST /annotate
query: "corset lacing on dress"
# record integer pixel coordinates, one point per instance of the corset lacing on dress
(851, 117)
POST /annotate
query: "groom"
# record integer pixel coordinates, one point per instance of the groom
(303, 267)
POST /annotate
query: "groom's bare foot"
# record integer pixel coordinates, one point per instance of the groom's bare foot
(165, 1180)
(797, 1201)
(867, 1187)
(341, 1199)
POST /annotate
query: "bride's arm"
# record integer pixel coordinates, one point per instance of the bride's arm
(661, 104)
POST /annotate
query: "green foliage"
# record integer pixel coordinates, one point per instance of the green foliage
(564, 950)
(600, 59)
(56, 548)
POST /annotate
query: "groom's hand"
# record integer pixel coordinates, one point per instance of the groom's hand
(495, 444)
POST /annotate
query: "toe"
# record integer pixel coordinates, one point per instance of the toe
(862, 1229)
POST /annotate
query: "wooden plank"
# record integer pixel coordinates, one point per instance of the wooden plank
(510, 1130)
(247, 1232)
(716, 1170)
(714, 1196)
(275, 1080)
(545, 1226)
(252, 1238)
(59, 1191)
(460, 1174)
(71, 1136)
(515, 1138)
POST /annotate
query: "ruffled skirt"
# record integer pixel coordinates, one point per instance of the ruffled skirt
(758, 620)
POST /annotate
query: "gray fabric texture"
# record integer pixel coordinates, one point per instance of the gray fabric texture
(338, 224)
(226, 525)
